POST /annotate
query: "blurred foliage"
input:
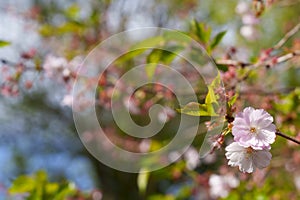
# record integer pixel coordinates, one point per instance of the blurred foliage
(37, 187)
(4, 43)
(214, 24)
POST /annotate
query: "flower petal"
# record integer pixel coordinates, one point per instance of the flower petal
(262, 158)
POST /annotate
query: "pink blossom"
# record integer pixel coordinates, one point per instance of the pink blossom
(242, 7)
(67, 100)
(192, 158)
(220, 186)
(247, 159)
(54, 63)
(249, 32)
(254, 128)
(59, 65)
(250, 19)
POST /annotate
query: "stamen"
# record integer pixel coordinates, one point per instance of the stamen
(249, 150)
(253, 130)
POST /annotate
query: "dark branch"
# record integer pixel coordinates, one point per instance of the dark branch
(287, 137)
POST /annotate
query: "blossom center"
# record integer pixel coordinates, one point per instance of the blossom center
(249, 150)
(253, 130)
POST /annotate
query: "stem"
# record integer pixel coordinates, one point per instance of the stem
(287, 137)
(287, 36)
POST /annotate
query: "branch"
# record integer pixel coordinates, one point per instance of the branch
(287, 137)
(259, 92)
(280, 59)
(287, 37)
(232, 62)
(12, 64)
(288, 56)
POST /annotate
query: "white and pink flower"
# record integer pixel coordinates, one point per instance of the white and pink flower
(247, 159)
(254, 128)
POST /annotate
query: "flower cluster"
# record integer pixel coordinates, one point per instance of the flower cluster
(220, 185)
(249, 20)
(253, 132)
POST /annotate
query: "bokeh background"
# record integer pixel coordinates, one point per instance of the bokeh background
(37, 131)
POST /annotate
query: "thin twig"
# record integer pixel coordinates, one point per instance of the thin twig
(287, 137)
(288, 56)
(280, 59)
(13, 64)
(252, 66)
(232, 62)
(287, 37)
(259, 92)
(287, 3)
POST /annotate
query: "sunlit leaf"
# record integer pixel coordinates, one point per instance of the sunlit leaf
(196, 109)
(149, 43)
(129, 55)
(4, 43)
(217, 39)
(211, 96)
(177, 36)
(163, 56)
(223, 68)
(233, 99)
(201, 31)
(22, 184)
(142, 180)
(73, 11)
(162, 197)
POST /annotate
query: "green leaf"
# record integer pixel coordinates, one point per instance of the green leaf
(129, 55)
(216, 82)
(150, 70)
(73, 11)
(149, 43)
(38, 187)
(196, 109)
(201, 31)
(52, 188)
(233, 100)
(142, 180)
(66, 190)
(180, 37)
(223, 68)
(164, 56)
(4, 43)
(161, 197)
(217, 39)
(211, 97)
(22, 184)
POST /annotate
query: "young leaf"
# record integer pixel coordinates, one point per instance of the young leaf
(223, 68)
(73, 11)
(233, 100)
(217, 39)
(149, 43)
(196, 109)
(142, 180)
(201, 31)
(211, 97)
(4, 43)
(164, 56)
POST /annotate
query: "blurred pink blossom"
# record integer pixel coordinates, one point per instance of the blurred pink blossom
(67, 100)
(249, 32)
(53, 63)
(242, 7)
(250, 19)
(192, 158)
(220, 186)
